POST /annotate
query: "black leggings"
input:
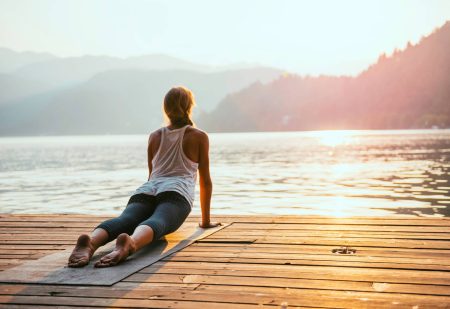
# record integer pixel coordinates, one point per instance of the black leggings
(164, 213)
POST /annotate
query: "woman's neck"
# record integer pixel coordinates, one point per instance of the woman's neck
(174, 127)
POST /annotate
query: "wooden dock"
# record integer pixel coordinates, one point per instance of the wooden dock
(255, 262)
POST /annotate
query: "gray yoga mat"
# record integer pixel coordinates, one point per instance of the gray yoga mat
(52, 269)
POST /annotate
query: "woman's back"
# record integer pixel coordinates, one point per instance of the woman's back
(191, 141)
(174, 156)
(170, 158)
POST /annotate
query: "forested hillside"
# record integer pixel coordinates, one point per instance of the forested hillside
(408, 89)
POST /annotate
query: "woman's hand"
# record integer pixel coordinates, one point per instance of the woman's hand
(209, 225)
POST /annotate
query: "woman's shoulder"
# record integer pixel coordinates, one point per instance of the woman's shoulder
(196, 133)
(155, 135)
(158, 131)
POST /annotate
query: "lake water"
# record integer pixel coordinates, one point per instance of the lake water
(338, 173)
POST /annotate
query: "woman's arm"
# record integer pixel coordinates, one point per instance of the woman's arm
(150, 155)
(206, 185)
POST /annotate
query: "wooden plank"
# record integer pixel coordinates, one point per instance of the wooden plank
(289, 219)
(319, 249)
(311, 259)
(241, 295)
(19, 256)
(353, 242)
(50, 224)
(334, 234)
(338, 299)
(33, 247)
(121, 302)
(13, 289)
(40, 234)
(26, 306)
(341, 227)
(379, 251)
(233, 278)
(302, 271)
(27, 251)
(304, 262)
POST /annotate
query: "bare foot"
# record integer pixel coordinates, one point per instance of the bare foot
(124, 247)
(82, 252)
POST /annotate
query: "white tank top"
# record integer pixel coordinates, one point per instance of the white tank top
(172, 170)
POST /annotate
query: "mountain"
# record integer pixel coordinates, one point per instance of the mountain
(45, 94)
(99, 95)
(15, 88)
(408, 89)
(120, 101)
(11, 60)
(72, 70)
(28, 73)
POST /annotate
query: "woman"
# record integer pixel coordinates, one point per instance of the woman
(160, 205)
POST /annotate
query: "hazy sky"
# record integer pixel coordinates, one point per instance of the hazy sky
(307, 37)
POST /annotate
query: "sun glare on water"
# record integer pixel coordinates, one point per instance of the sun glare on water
(334, 138)
(339, 204)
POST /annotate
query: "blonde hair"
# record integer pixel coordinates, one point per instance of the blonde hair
(178, 104)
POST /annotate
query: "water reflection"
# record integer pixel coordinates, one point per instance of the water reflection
(430, 186)
(340, 173)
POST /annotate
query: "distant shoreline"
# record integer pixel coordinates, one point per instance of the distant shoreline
(307, 132)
